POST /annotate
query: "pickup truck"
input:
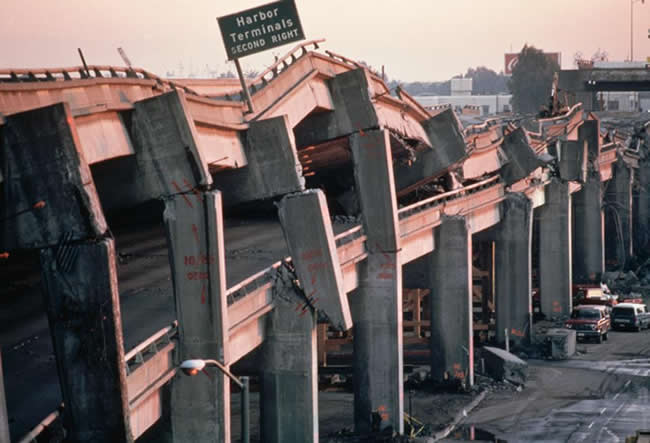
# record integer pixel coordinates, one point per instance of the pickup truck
(589, 321)
(630, 316)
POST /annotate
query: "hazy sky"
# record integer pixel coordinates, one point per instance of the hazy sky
(414, 39)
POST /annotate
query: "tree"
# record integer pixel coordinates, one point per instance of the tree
(532, 80)
(485, 81)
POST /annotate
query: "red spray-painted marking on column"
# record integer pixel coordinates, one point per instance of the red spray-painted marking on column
(195, 231)
(193, 189)
(178, 188)
(203, 295)
(386, 268)
(311, 253)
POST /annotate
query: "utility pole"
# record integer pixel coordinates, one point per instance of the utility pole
(632, 2)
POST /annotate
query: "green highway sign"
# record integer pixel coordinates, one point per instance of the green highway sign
(261, 28)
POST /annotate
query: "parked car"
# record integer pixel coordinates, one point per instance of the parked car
(630, 316)
(589, 321)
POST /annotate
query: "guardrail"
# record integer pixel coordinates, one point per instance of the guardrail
(149, 365)
(441, 198)
(280, 65)
(80, 73)
(45, 424)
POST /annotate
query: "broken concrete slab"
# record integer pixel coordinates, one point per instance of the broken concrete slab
(273, 167)
(167, 160)
(353, 110)
(522, 160)
(447, 149)
(314, 254)
(562, 343)
(502, 365)
(42, 161)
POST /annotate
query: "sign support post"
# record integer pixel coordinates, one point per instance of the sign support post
(259, 29)
(244, 86)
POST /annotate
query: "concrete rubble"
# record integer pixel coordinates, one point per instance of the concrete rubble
(502, 365)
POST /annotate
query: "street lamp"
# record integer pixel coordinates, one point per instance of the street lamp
(193, 367)
(632, 2)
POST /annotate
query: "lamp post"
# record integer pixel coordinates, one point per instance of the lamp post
(632, 2)
(193, 367)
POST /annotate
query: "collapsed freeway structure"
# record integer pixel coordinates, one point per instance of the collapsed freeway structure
(376, 197)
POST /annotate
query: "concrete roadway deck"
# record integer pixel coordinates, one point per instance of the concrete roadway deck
(147, 305)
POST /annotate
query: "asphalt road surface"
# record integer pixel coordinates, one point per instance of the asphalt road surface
(598, 396)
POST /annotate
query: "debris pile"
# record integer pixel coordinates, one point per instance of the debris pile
(626, 284)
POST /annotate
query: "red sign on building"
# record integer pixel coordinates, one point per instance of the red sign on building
(511, 60)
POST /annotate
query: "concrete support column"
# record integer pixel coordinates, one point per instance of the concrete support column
(83, 308)
(588, 233)
(289, 403)
(555, 255)
(513, 269)
(618, 215)
(641, 212)
(4, 417)
(377, 305)
(200, 405)
(450, 283)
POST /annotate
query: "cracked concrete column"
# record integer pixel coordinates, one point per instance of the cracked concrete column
(618, 214)
(200, 405)
(555, 254)
(513, 269)
(49, 189)
(377, 304)
(450, 283)
(289, 371)
(83, 308)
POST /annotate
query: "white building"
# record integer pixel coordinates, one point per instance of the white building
(619, 101)
(461, 86)
(489, 104)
